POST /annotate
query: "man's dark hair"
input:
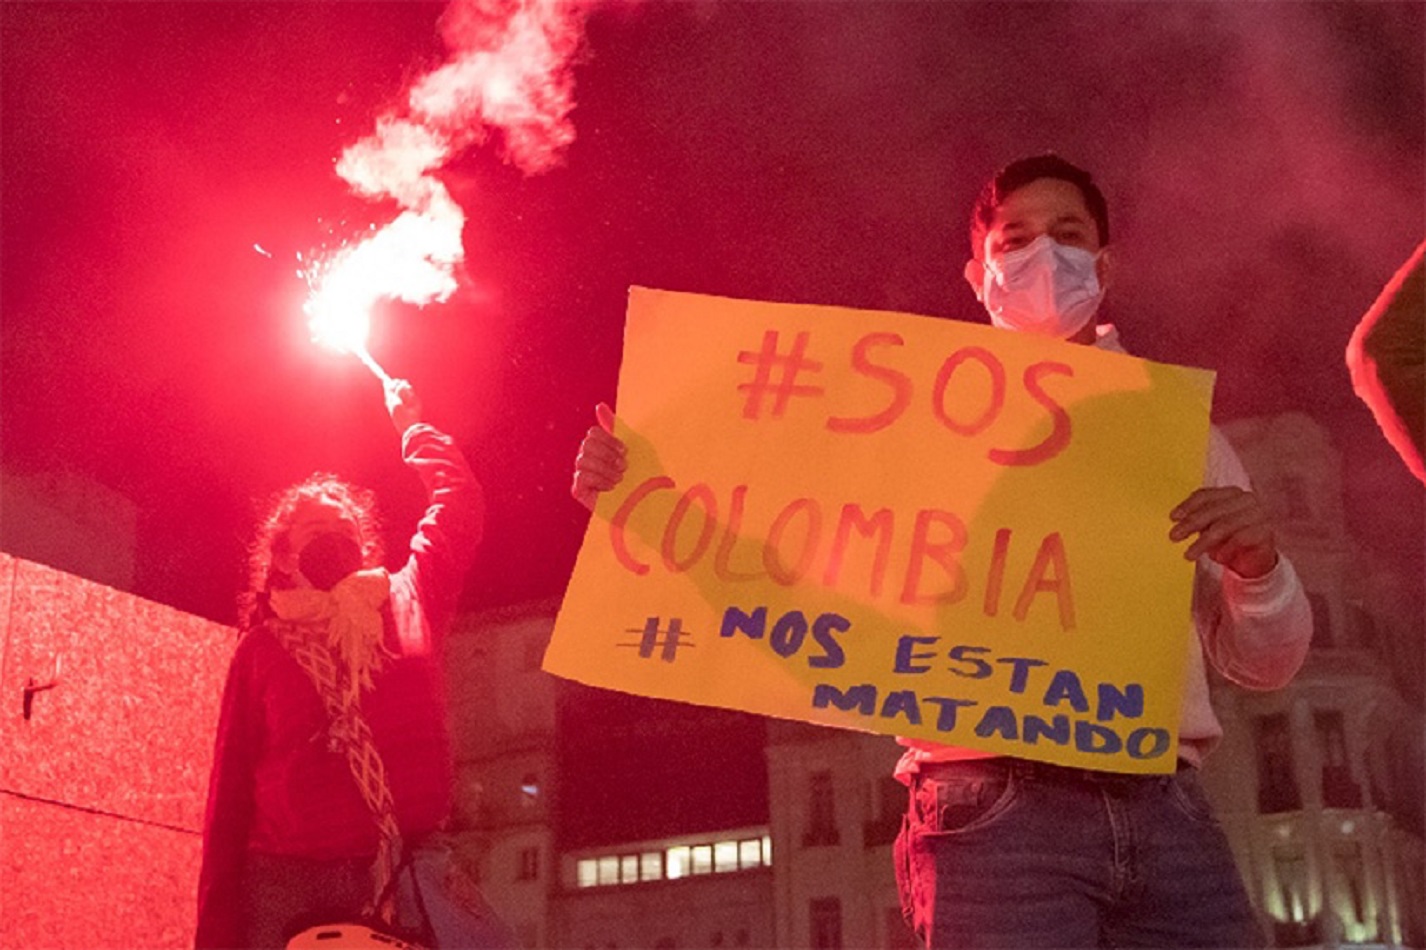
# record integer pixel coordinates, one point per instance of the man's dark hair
(1020, 173)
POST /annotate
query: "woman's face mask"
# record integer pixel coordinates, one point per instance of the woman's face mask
(328, 558)
(1043, 288)
(323, 543)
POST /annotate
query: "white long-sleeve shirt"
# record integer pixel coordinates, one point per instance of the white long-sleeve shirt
(1255, 631)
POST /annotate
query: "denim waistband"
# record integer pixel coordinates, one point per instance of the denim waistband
(1028, 770)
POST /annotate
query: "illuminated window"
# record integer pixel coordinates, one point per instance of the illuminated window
(529, 790)
(720, 857)
(826, 923)
(1291, 867)
(1347, 856)
(650, 866)
(679, 863)
(1411, 892)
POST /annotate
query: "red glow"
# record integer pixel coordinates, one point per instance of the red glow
(508, 70)
(104, 779)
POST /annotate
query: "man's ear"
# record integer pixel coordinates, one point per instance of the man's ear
(975, 276)
(1105, 267)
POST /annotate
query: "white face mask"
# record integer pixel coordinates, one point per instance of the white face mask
(1044, 288)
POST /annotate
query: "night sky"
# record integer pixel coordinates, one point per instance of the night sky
(1264, 165)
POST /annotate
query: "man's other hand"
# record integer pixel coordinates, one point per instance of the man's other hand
(1232, 529)
(600, 464)
(403, 405)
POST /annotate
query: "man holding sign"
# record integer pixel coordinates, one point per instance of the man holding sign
(1000, 850)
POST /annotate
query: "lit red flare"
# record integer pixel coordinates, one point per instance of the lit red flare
(508, 69)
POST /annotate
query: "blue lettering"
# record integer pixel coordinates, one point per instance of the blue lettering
(902, 703)
(1112, 702)
(1057, 730)
(735, 622)
(861, 698)
(999, 719)
(1065, 686)
(946, 721)
(904, 654)
(1020, 671)
(788, 633)
(1091, 738)
(958, 655)
(1137, 738)
(822, 629)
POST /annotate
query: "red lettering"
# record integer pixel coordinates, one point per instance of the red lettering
(1050, 555)
(793, 544)
(724, 553)
(772, 550)
(944, 554)
(621, 517)
(993, 405)
(1059, 438)
(899, 384)
(675, 522)
(881, 524)
(997, 572)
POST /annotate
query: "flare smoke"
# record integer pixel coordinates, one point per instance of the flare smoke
(508, 69)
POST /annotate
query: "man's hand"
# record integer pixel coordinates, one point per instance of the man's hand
(403, 405)
(600, 464)
(1232, 529)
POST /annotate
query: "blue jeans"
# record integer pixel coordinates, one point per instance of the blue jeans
(1012, 853)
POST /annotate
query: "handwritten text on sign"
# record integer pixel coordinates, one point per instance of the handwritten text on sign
(893, 523)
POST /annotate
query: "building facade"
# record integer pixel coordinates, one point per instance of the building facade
(70, 522)
(1320, 783)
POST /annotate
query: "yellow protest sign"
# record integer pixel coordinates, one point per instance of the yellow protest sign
(892, 523)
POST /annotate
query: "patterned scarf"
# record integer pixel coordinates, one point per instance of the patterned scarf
(335, 636)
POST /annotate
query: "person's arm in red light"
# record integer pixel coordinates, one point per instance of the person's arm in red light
(1252, 612)
(1387, 359)
(229, 815)
(430, 583)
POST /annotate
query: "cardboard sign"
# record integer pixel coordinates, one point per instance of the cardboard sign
(899, 524)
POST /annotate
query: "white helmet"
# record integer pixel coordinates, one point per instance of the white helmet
(347, 937)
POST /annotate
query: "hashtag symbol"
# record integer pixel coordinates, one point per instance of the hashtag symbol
(769, 361)
(673, 638)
